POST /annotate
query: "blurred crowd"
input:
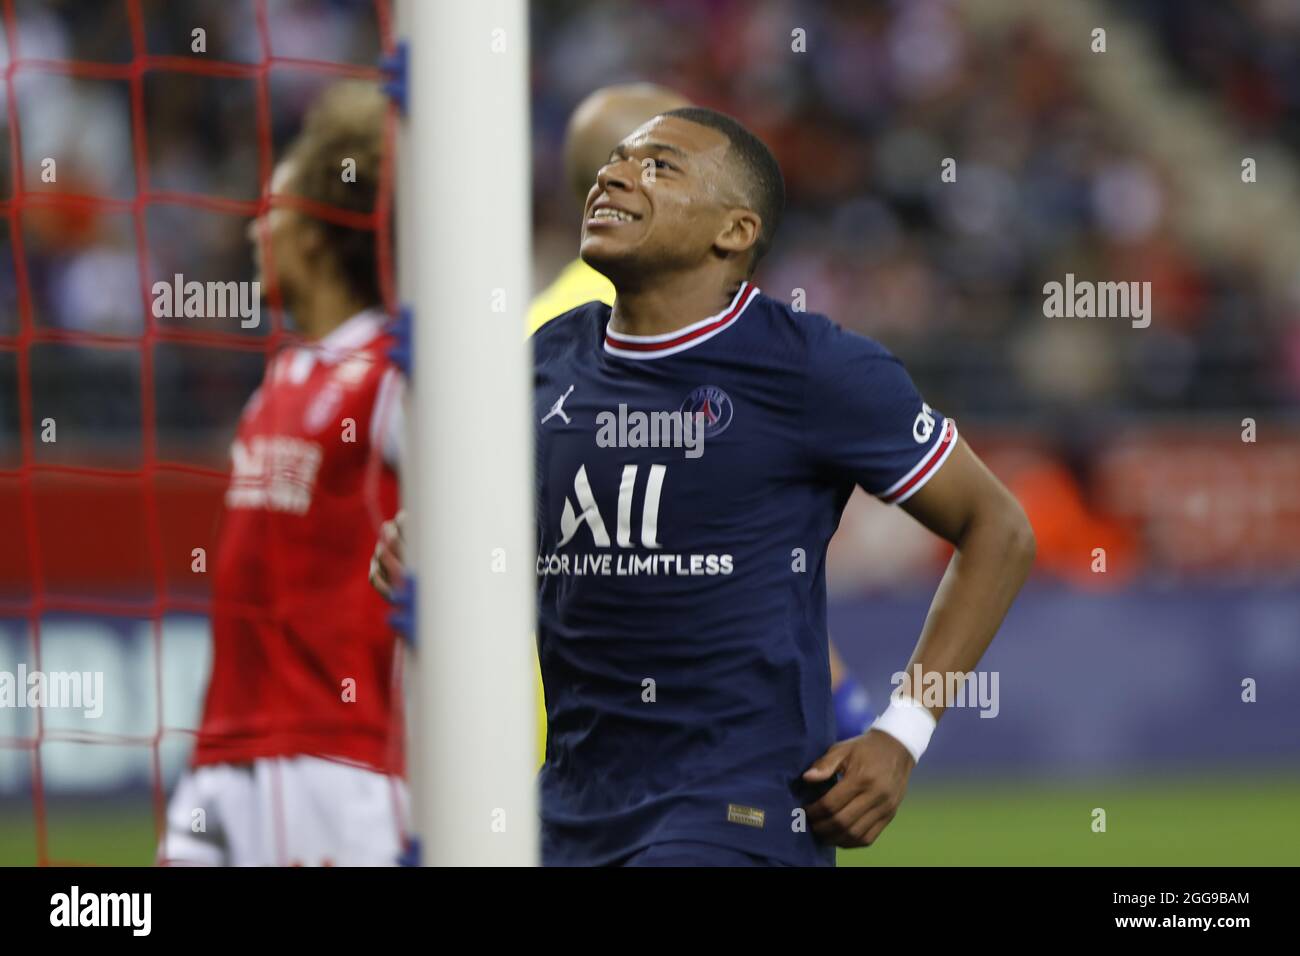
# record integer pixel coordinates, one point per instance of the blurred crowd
(862, 103)
(1240, 55)
(950, 275)
(204, 137)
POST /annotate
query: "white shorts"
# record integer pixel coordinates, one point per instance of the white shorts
(286, 811)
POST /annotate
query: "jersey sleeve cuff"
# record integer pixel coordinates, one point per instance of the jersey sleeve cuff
(925, 469)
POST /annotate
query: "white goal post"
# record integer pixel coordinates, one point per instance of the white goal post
(463, 262)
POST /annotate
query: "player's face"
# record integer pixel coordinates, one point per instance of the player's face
(661, 200)
(280, 239)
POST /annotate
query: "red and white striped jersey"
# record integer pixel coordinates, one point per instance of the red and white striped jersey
(303, 655)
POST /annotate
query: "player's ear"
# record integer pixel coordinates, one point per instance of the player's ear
(740, 232)
(311, 239)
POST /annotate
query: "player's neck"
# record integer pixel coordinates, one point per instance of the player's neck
(672, 303)
(324, 310)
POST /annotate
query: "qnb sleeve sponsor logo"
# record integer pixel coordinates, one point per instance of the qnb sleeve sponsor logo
(923, 427)
(276, 473)
(131, 910)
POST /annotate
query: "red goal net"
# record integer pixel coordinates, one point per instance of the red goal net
(139, 138)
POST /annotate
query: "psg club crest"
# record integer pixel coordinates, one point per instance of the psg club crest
(714, 404)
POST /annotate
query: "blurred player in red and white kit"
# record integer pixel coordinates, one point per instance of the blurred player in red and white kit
(298, 759)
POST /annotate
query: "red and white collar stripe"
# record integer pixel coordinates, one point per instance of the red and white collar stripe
(911, 482)
(350, 337)
(670, 343)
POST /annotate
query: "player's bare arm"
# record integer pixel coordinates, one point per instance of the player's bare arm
(967, 506)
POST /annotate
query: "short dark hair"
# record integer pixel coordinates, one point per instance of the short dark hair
(762, 185)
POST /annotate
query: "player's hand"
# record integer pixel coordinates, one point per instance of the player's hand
(386, 568)
(874, 769)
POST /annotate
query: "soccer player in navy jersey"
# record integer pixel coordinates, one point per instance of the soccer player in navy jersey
(695, 446)
(598, 123)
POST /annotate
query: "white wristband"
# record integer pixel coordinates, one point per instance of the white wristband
(908, 722)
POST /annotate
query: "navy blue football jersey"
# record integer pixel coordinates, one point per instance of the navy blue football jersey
(687, 486)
